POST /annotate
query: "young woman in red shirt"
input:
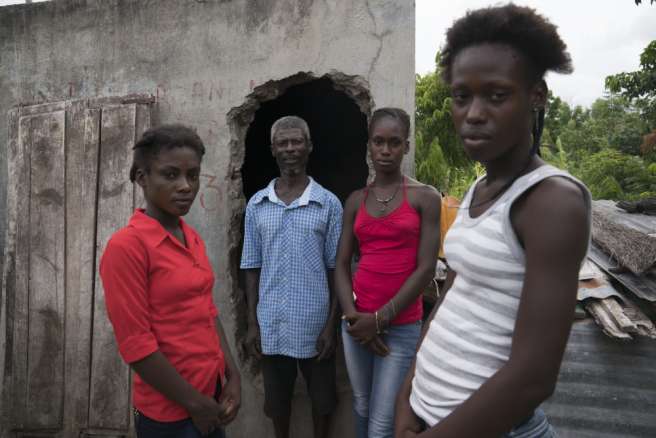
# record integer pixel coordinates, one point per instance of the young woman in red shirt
(158, 290)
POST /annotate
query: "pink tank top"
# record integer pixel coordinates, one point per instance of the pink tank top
(388, 256)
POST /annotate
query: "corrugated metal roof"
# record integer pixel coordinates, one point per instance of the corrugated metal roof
(640, 222)
(643, 286)
(606, 388)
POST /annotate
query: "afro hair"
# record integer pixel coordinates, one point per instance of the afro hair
(519, 27)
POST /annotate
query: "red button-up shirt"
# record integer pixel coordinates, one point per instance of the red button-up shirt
(159, 297)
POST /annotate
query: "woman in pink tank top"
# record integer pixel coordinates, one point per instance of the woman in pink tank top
(393, 224)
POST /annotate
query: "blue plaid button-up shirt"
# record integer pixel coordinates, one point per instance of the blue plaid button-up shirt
(294, 245)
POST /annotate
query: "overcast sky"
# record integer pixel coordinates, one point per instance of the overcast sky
(604, 37)
(13, 2)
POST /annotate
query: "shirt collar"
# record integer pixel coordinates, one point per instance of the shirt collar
(312, 192)
(152, 231)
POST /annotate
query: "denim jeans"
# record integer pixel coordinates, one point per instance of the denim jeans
(376, 380)
(535, 427)
(149, 428)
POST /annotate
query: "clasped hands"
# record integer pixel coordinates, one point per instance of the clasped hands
(364, 328)
(208, 414)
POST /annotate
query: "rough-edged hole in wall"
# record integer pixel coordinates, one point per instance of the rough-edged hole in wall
(336, 107)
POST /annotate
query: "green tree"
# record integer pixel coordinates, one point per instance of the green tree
(620, 122)
(557, 115)
(439, 156)
(433, 121)
(639, 86)
(581, 136)
(610, 174)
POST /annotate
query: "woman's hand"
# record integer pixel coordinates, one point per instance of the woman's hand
(204, 412)
(362, 326)
(378, 346)
(230, 399)
(406, 422)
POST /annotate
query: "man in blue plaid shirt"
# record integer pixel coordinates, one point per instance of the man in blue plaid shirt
(290, 240)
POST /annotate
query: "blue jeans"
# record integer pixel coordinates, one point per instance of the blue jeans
(149, 428)
(535, 427)
(376, 380)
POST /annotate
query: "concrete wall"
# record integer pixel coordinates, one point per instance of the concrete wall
(200, 59)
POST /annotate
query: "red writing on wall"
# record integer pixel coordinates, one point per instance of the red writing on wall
(210, 195)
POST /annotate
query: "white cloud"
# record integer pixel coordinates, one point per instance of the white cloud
(604, 37)
(16, 2)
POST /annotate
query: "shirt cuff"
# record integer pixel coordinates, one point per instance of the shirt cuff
(135, 348)
(251, 265)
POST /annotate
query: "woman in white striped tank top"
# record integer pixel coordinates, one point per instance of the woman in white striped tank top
(491, 352)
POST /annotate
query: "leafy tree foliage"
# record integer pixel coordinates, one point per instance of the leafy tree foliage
(440, 159)
(433, 119)
(611, 174)
(639, 86)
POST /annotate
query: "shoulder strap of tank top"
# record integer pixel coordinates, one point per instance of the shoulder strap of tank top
(532, 178)
(366, 193)
(521, 186)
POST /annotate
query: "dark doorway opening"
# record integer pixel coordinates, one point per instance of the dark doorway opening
(339, 134)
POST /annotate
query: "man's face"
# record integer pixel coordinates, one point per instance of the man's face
(291, 150)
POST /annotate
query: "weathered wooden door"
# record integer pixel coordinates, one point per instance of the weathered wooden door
(68, 191)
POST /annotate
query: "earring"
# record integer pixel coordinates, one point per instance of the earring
(536, 122)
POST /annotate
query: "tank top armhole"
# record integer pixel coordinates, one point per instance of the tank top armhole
(543, 173)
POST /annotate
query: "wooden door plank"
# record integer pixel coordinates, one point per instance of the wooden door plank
(109, 406)
(45, 373)
(18, 176)
(142, 124)
(18, 298)
(82, 142)
(43, 108)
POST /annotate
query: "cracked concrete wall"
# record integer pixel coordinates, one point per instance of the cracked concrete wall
(200, 59)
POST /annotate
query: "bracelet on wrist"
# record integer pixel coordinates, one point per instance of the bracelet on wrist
(377, 323)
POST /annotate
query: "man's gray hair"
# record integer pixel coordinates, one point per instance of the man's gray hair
(291, 122)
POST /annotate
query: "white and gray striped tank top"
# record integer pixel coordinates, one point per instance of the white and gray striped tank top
(470, 337)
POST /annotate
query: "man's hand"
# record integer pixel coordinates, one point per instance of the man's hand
(253, 342)
(230, 399)
(362, 326)
(326, 342)
(204, 412)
